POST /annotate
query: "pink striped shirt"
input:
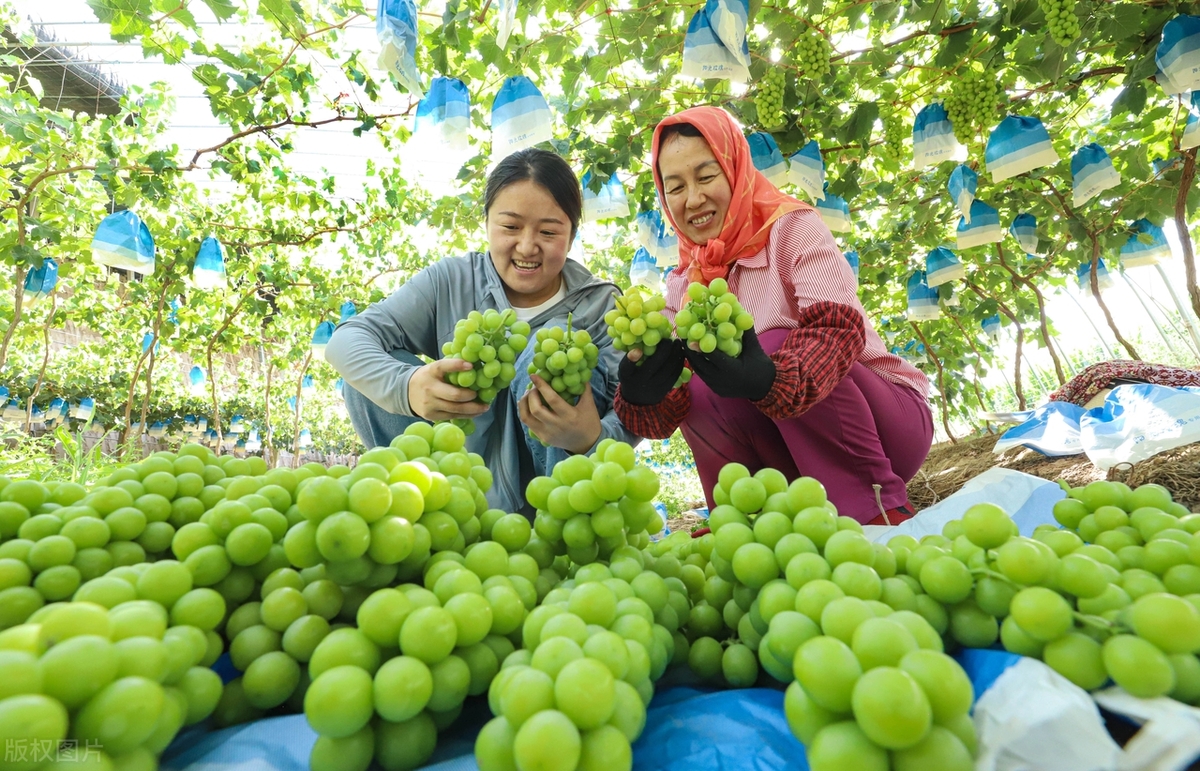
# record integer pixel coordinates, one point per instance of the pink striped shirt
(799, 266)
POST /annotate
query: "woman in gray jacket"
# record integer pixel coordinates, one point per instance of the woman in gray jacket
(532, 207)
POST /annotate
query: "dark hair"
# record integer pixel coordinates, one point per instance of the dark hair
(545, 168)
(680, 130)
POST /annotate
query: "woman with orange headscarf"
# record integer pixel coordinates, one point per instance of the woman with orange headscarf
(815, 391)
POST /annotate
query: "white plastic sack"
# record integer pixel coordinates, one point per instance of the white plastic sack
(1138, 422)
(1033, 719)
(1029, 500)
(1170, 736)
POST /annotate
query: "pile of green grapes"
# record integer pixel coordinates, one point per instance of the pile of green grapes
(637, 322)
(565, 359)
(812, 53)
(378, 600)
(1061, 20)
(785, 585)
(768, 98)
(592, 505)
(974, 103)
(713, 319)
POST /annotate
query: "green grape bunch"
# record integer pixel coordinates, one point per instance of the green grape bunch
(1061, 20)
(895, 130)
(713, 319)
(974, 102)
(768, 99)
(565, 359)
(812, 54)
(491, 341)
(637, 322)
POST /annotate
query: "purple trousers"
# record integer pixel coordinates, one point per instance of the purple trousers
(867, 431)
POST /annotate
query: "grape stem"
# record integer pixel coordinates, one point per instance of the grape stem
(1097, 622)
(996, 576)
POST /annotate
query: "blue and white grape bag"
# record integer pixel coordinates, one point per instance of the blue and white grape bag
(40, 281)
(253, 443)
(1178, 53)
(320, 338)
(933, 138)
(983, 228)
(922, 300)
(1092, 173)
(1019, 144)
(728, 19)
(396, 29)
(962, 186)
(14, 411)
(123, 241)
(1024, 229)
(647, 224)
(644, 271)
(339, 388)
(991, 327)
(852, 258)
(208, 270)
(305, 438)
(201, 424)
(147, 341)
(197, 381)
(610, 202)
(942, 265)
(307, 385)
(664, 244)
(439, 145)
(84, 409)
(1084, 276)
(506, 19)
(808, 170)
(157, 429)
(347, 311)
(835, 212)
(237, 424)
(520, 117)
(56, 412)
(1191, 130)
(705, 56)
(767, 158)
(1147, 245)
(292, 403)
(914, 353)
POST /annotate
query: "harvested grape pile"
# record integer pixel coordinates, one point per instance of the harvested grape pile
(378, 600)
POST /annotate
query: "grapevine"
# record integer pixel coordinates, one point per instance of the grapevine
(973, 103)
(768, 99)
(812, 54)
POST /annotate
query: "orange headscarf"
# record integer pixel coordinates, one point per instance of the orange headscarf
(753, 208)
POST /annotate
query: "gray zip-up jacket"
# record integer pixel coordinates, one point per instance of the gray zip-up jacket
(420, 316)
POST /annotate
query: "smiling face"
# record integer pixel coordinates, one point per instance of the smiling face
(529, 236)
(696, 188)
